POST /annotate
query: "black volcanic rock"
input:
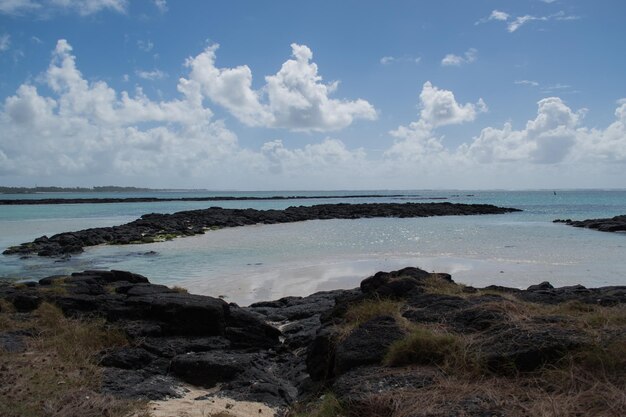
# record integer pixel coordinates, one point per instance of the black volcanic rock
(367, 344)
(155, 227)
(613, 224)
(281, 351)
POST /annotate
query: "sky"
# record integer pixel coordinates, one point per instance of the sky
(301, 95)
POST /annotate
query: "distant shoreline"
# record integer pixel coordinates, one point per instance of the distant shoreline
(39, 201)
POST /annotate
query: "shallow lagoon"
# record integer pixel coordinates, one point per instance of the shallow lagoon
(253, 263)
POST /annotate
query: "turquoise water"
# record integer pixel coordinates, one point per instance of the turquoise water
(252, 263)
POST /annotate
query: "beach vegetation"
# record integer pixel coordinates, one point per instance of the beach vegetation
(181, 290)
(326, 405)
(366, 310)
(424, 347)
(57, 373)
(435, 284)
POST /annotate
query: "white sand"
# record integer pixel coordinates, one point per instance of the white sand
(213, 406)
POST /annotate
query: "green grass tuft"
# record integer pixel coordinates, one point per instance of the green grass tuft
(424, 347)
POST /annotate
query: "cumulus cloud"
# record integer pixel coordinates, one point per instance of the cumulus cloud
(294, 98)
(329, 154)
(438, 108)
(88, 128)
(548, 138)
(471, 55)
(82, 130)
(82, 7)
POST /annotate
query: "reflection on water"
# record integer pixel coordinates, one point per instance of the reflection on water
(253, 263)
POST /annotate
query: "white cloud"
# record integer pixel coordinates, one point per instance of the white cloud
(522, 20)
(87, 7)
(296, 97)
(495, 15)
(471, 55)
(526, 82)
(145, 46)
(82, 7)
(330, 154)
(5, 42)
(498, 15)
(438, 108)
(161, 5)
(388, 60)
(18, 6)
(516, 22)
(88, 128)
(155, 74)
(86, 131)
(548, 138)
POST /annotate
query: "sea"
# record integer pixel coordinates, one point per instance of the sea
(263, 262)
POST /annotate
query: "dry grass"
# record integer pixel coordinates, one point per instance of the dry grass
(181, 290)
(367, 310)
(580, 395)
(434, 284)
(57, 375)
(423, 346)
(326, 406)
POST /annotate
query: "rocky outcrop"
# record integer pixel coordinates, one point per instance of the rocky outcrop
(614, 224)
(280, 351)
(155, 227)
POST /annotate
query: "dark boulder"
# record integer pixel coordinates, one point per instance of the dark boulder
(168, 347)
(26, 302)
(182, 314)
(367, 344)
(138, 384)
(433, 307)
(320, 356)
(209, 368)
(395, 283)
(358, 385)
(127, 358)
(477, 319)
(246, 330)
(514, 349)
(540, 287)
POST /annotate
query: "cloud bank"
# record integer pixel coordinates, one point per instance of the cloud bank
(87, 131)
(293, 98)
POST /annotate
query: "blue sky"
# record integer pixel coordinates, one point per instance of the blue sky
(313, 95)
